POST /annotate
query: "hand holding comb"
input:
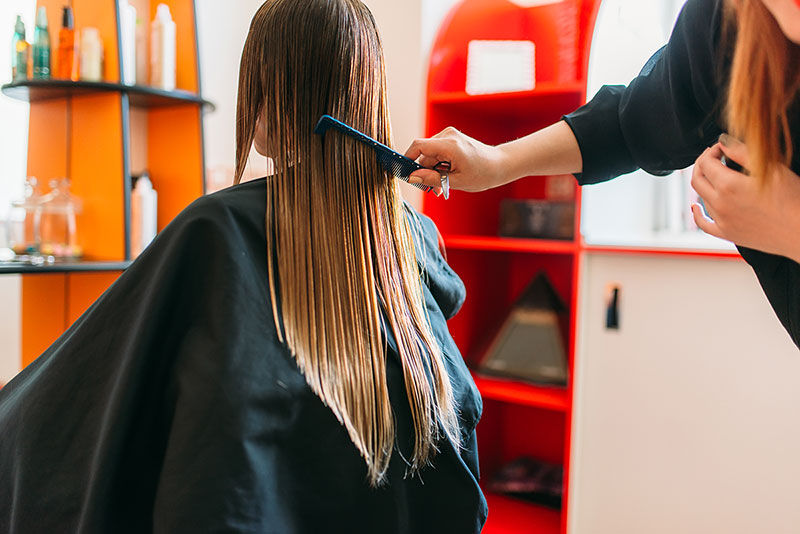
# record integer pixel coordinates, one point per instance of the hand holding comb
(394, 162)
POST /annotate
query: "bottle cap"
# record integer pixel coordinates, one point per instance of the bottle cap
(143, 182)
(19, 27)
(41, 17)
(67, 21)
(162, 12)
(90, 33)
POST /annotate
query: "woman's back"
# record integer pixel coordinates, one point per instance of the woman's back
(171, 406)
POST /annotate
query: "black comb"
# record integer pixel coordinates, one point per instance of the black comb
(394, 162)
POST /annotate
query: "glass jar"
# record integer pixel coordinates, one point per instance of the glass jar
(58, 222)
(22, 226)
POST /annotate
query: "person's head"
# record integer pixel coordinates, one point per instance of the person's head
(341, 258)
(764, 78)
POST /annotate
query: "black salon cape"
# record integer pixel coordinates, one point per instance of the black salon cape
(667, 117)
(170, 406)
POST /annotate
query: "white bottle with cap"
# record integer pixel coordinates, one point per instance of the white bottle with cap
(162, 49)
(91, 55)
(144, 215)
(127, 19)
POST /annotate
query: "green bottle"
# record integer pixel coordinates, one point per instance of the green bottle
(19, 51)
(41, 46)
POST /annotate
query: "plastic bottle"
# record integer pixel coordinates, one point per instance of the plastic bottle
(142, 65)
(128, 41)
(66, 66)
(20, 52)
(144, 215)
(91, 55)
(41, 46)
(162, 49)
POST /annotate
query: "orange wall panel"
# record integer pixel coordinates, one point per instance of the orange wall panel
(175, 159)
(47, 140)
(83, 289)
(43, 313)
(97, 174)
(52, 302)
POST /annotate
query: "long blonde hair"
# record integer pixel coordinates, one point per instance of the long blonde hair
(764, 81)
(341, 259)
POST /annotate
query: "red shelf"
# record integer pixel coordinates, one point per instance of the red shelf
(656, 251)
(519, 419)
(512, 516)
(550, 398)
(543, 90)
(545, 103)
(509, 244)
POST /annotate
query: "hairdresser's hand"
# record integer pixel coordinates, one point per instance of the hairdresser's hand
(474, 166)
(765, 218)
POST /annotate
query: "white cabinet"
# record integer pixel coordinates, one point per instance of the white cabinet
(687, 418)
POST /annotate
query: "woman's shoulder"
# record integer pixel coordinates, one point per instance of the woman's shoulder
(246, 200)
(444, 284)
(232, 219)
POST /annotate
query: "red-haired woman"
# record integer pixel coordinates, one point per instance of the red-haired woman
(729, 73)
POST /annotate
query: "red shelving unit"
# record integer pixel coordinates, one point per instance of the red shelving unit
(546, 398)
(519, 419)
(510, 516)
(509, 244)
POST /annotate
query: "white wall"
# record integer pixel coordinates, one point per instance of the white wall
(222, 28)
(13, 162)
(637, 209)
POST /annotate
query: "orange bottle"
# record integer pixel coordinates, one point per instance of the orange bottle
(67, 63)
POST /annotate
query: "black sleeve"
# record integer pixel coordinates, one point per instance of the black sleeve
(667, 115)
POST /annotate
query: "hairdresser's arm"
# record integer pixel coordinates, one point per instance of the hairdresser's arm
(662, 121)
(476, 166)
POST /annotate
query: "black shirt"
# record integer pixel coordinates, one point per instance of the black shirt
(667, 117)
(170, 406)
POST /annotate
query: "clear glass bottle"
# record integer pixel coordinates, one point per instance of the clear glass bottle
(58, 222)
(22, 227)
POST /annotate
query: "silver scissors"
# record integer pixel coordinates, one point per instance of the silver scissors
(443, 167)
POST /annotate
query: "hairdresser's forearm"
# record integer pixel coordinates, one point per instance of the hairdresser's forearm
(476, 166)
(552, 150)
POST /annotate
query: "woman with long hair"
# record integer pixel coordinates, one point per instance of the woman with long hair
(278, 360)
(727, 85)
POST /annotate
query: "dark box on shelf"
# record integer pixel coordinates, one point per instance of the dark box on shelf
(540, 219)
(530, 479)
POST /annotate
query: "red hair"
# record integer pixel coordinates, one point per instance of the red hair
(764, 82)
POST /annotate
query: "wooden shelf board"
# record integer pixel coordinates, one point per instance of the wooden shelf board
(140, 96)
(548, 397)
(512, 516)
(546, 89)
(509, 244)
(63, 267)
